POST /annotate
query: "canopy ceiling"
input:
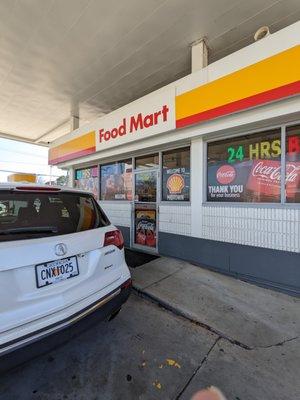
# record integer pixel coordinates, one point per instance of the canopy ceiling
(89, 57)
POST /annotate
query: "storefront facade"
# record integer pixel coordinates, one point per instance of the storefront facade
(194, 169)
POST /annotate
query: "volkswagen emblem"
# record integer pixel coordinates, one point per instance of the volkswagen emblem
(60, 249)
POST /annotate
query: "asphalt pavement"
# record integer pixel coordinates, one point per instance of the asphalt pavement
(144, 353)
(257, 353)
(184, 328)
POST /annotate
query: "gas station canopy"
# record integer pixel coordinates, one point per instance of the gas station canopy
(68, 60)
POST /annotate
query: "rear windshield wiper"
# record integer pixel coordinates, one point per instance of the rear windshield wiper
(30, 229)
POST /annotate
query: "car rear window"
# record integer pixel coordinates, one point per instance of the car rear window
(30, 214)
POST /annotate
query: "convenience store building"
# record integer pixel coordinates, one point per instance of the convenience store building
(193, 170)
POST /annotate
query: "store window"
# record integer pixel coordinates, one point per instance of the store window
(146, 162)
(292, 165)
(176, 175)
(145, 186)
(87, 179)
(245, 169)
(116, 180)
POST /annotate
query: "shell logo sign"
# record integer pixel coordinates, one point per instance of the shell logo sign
(175, 184)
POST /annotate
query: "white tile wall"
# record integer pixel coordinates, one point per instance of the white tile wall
(118, 213)
(175, 219)
(272, 228)
(172, 218)
(263, 227)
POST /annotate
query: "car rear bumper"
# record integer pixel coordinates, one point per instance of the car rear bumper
(29, 346)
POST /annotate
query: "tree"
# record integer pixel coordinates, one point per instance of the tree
(62, 180)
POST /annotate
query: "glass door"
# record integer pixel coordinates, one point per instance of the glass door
(145, 218)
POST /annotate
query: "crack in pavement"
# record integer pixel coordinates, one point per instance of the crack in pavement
(168, 307)
(276, 344)
(177, 312)
(203, 361)
(162, 279)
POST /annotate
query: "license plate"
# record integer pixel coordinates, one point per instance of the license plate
(56, 271)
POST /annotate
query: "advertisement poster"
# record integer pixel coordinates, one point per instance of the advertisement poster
(227, 182)
(252, 181)
(292, 184)
(176, 184)
(87, 179)
(248, 168)
(116, 181)
(293, 165)
(145, 227)
(248, 181)
(145, 186)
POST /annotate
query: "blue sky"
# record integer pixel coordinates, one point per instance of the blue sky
(24, 157)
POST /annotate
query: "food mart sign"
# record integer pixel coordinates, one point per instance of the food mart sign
(144, 118)
(139, 120)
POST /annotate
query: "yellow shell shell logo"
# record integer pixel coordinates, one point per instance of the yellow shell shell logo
(175, 183)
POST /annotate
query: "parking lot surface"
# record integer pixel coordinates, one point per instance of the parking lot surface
(147, 352)
(144, 353)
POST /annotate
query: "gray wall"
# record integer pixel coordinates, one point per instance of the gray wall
(275, 269)
(270, 268)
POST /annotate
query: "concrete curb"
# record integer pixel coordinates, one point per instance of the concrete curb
(181, 313)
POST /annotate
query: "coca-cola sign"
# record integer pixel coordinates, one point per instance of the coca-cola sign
(292, 179)
(145, 227)
(251, 169)
(225, 174)
(267, 170)
(264, 178)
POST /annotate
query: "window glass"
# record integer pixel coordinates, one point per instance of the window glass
(292, 182)
(116, 181)
(176, 175)
(26, 215)
(145, 162)
(87, 179)
(145, 186)
(245, 169)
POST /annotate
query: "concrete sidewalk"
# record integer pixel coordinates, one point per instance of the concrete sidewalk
(257, 354)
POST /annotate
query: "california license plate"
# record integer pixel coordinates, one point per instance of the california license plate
(56, 271)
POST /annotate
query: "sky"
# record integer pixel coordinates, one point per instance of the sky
(25, 157)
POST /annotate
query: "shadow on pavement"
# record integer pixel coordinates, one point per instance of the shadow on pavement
(137, 258)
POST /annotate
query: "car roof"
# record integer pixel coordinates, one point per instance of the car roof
(24, 186)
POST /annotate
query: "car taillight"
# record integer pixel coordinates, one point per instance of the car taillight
(114, 238)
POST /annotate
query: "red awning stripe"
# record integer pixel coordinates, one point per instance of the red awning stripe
(249, 102)
(71, 156)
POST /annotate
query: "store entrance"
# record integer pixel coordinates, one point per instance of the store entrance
(145, 213)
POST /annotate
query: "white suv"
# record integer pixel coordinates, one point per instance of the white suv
(60, 260)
